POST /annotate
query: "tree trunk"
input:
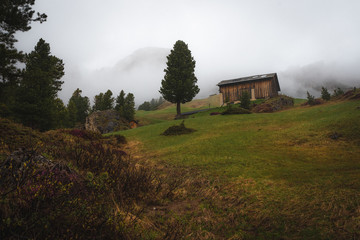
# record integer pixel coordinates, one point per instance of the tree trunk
(178, 110)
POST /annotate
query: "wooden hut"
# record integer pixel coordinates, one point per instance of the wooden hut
(258, 86)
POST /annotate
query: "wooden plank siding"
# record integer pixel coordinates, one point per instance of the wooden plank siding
(263, 88)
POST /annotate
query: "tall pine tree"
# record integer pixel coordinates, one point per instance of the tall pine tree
(82, 105)
(61, 114)
(179, 83)
(38, 88)
(129, 107)
(120, 101)
(14, 16)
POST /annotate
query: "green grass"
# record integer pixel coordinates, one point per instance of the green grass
(158, 116)
(237, 140)
(169, 112)
(308, 183)
(299, 101)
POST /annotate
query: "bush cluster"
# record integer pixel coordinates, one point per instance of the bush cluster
(73, 184)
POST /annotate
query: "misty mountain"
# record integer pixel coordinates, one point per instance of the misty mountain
(139, 73)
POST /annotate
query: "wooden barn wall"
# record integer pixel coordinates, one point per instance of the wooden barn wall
(263, 89)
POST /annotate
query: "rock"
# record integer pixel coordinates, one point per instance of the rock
(106, 121)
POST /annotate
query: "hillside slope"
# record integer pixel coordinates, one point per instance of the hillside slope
(291, 174)
(167, 110)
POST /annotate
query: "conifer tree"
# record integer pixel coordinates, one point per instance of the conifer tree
(146, 106)
(15, 16)
(38, 88)
(108, 100)
(61, 119)
(325, 94)
(129, 107)
(72, 113)
(82, 105)
(103, 101)
(310, 98)
(120, 101)
(179, 83)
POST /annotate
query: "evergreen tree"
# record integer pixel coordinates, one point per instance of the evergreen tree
(311, 99)
(120, 101)
(153, 104)
(108, 100)
(129, 107)
(245, 100)
(72, 113)
(61, 114)
(14, 16)
(179, 83)
(103, 101)
(325, 94)
(82, 105)
(98, 102)
(38, 88)
(146, 106)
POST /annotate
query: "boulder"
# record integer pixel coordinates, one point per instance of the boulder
(106, 121)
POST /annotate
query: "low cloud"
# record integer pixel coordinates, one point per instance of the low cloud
(142, 71)
(296, 81)
(139, 73)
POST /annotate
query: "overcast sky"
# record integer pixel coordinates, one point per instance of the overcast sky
(122, 44)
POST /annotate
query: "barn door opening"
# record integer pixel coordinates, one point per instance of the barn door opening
(253, 94)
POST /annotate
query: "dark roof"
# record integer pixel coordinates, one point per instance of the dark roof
(248, 79)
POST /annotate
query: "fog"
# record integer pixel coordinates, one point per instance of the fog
(314, 76)
(118, 44)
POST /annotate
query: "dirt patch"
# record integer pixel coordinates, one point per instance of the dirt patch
(178, 130)
(317, 101)
(351, 94)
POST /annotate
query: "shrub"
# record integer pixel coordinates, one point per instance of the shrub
(245, 100)
(15, 136)
(325, 94)
(237, 110)
(177, 130)
(85, 191)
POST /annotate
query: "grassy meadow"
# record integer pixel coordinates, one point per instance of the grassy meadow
(167, 110)
(293, 174)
